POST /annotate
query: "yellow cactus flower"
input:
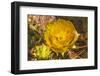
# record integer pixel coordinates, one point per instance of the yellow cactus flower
(60, 35)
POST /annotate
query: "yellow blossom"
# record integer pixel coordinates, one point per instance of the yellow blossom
(60, 35)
